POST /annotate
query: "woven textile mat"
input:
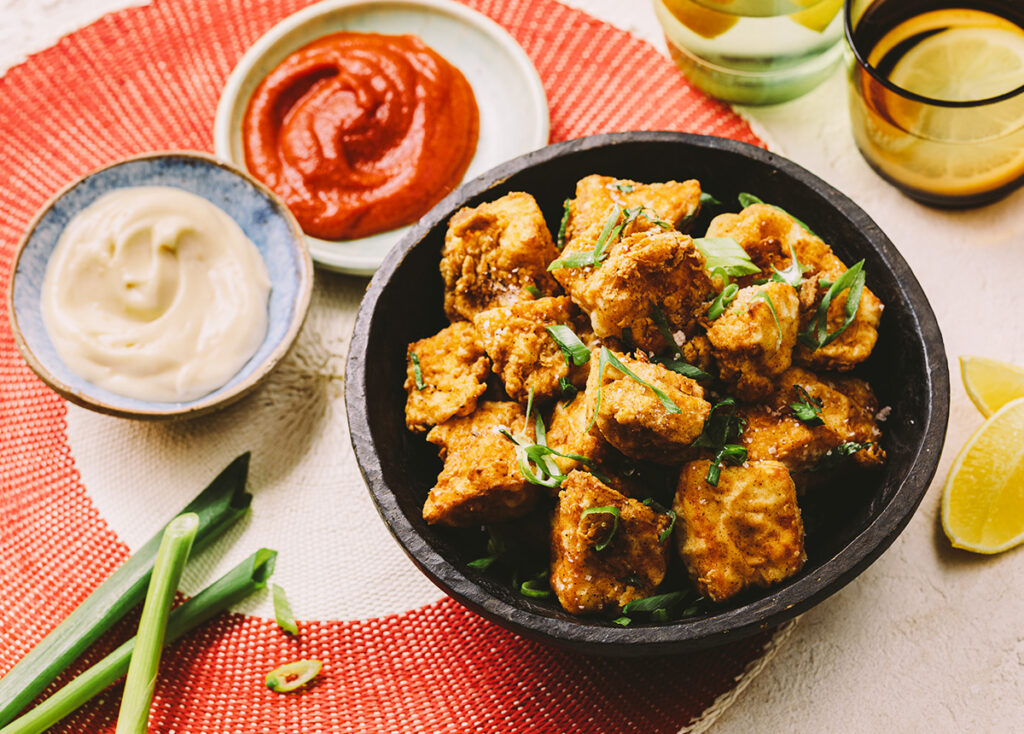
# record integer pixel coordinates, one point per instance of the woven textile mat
(79, 491)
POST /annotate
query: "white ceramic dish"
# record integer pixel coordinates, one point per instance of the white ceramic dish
(509, 93)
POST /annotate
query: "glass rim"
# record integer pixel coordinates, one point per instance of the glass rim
(863, 63)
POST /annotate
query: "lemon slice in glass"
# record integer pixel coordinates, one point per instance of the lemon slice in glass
(818, 17)
(991, 384)
(983, 500)
(705, 22)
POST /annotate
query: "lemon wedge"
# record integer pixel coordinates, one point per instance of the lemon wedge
(817, 17)
(983, 500)
(991, 384)
(705, 22)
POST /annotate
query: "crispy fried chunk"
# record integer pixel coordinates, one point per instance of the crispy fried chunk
(634, 420)
(454, 369)
(745, 532)
(753, 340)
(629, 567)
(673, 202)
(524, 354)
(492, 253)
(767, 235)
(480, 482)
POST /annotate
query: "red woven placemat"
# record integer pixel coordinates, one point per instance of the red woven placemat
(148, 79)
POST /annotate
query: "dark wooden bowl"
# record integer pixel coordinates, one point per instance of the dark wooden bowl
(848, 525)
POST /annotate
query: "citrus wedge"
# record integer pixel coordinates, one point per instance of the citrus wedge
(705, 22)
(983, 500)
(991, 384)
(817, 17)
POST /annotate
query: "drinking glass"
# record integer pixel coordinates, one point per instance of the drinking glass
(936, 92)
(753, 51)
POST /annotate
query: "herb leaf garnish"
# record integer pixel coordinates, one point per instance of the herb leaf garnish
(807, 408)
(566, 213)
(837, 456)
(718, 306)
(534, 291)
(707, 199)
(574, 350)
(731, 453)
(416, 371)
(624, 188)
(727, 254)
(816, 335)
(720, 430)
(537, 587)
(605, 510)
(658, 316)
(762, 295)
(569, 390)
(683, 368)
(596, 256)
(746, 200)
(794, 274)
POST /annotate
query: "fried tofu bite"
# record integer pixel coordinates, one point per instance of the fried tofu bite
(745, 532)
(524, 354)
(673, 202)
(493, 253)
(753, 340)
(454, 370)
(632, 559)
(848, 409)
(647, 270)
(480, 482)
(633, 419)
(767, 235)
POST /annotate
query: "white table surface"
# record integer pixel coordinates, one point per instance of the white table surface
(928, 638)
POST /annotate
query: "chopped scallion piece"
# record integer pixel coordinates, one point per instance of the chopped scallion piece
(482, 564)
(658, 316)
(283, 611)
(574, 350)
(566, 213)
(598, 254)
(707, 199)
(725, 253)
(534, 291)
(416, 371)
(731, 453)
(569, 390)
(807, 408)
(762, 295)
(622, 621)
(605, 510)
(624, 188)
(838, 455)
(793, 275)
(816, 335)
(667, 532)
(684, 368)
(727, 296)
(658, 601)
(537, 587)
(289, 677)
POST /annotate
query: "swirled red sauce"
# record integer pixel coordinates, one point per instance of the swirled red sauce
(360, 133)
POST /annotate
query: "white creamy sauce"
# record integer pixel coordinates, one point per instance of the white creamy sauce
(156, 294)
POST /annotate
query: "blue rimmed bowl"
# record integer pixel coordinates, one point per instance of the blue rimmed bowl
(262, 216)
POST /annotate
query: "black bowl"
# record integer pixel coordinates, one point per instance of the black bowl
(848, 525)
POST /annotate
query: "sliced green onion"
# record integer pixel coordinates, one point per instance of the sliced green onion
(245, 578)
(292, 676)
(658, 316)
(836, 456)
(597, 255)
(218, 506)
(659, 601)
(727, 254)
(706, 199)
(647, 213)
(566, 213)
(762, 295)
(667, 532)
(793, 275)
(807, 408)
(482, 564)
(720, 428)
(816, 335)
(746, 200)
(140, 684)
(684, 368)
(283, 611)
(622, 621)
(605, 510)
(534, 291)
(569, 390)
(416, 371)
(574, 350)
(537, 587)
(624, 188)
(727, 296)
(731, 453)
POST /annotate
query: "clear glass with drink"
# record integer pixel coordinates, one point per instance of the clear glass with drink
(937, 95)
(753, 51)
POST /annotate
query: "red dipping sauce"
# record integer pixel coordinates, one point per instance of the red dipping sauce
(360, 133)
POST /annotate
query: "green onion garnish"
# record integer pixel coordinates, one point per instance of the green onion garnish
(727, 296)
(762, 295)
(218, 506)
(622, 621)
(624, 188)
(838, 455)
(245, 578)
(605, 510)
(140, 684)
(533, 291)
(658, 601)
(746, 200)
(671, 525)
(731, 453)
(664, 329)
(416, 371)
(566, 213)
(793, 275)
(720, 429)
(482, 564)
(725, 253)
(807, 408)
(569, 390)
(537, 587)
(816, 335)
(706, 199)
(597, 255)
(537, 466)
(684, 368)
(289, 677)
(574, 350)
(283, 611)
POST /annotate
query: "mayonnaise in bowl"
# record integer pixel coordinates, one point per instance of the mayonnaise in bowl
(155, 293)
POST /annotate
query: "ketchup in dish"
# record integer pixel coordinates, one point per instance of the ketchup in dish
(360, 133)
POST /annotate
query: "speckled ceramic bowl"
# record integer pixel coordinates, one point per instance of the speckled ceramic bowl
(261, 215)
(849, 523)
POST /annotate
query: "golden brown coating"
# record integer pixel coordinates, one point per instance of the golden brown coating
(697, 351)
(674, 202)
(644, 270)
(753, 340)
(630, 567)
(524, 354)
(634, 420)
(848, 413)
(480, 482)
(767, 235)
(492, 253)
(745, 532)
(454, 368)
